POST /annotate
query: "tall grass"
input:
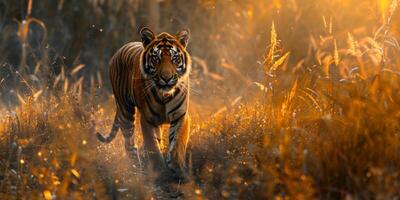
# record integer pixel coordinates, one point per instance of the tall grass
(291, 100)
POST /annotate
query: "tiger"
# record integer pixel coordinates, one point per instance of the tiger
(152, 77)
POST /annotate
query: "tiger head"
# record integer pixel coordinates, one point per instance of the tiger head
(165, 61)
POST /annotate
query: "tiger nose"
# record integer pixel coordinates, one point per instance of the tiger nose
(168, 80)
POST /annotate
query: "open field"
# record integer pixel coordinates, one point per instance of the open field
(289, 100)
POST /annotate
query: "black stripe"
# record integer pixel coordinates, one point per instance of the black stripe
(148, 121)
(130, 107)
(167, 100)
(179, 104)
(167, 46)
(173, 123)
(156, 97)
(151, 109)
(172, 136)
(126, 116)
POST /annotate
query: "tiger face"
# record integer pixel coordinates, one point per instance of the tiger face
(165, 61)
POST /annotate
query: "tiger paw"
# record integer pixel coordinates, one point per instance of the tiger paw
(133, 154)
(178, 175)
(131, 149)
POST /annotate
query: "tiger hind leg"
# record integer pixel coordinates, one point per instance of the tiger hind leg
(129, 140)
(130, 146)
(126, 120)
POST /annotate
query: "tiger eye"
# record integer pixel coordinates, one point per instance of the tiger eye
(176, 60)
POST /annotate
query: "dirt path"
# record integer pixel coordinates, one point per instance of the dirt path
(123, 176)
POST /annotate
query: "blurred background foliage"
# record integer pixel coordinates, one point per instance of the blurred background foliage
(225, 34)
(290, 98)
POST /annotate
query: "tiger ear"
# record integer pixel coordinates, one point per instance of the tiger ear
(183, 37)
(147, 36)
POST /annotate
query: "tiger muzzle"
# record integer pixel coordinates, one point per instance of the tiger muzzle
(167, 82)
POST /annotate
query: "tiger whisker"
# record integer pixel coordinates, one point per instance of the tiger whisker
(147, 89)
(186, 89)
(149, 86)
(195, 91)
(191, 89)
(183, 88)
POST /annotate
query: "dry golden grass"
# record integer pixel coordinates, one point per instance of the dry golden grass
(312, 113)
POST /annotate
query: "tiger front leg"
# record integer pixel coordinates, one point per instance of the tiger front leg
(151, 136)
(178, 140)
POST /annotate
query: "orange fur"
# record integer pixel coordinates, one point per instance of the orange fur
(135, 89)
